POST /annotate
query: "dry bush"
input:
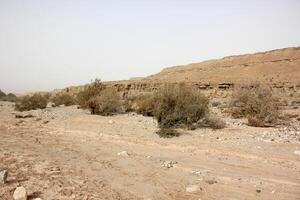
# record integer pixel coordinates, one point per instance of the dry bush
(90, 92)
(36, 101)
(108, 102)
(2, 94)
(63, 99)
(167, 133)
(179, 105)
(257, 103)
(145, 105)
(253, 121)
(215, 123)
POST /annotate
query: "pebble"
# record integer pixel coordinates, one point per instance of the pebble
(123, 153)
(20, 193)
(297, 153)
(168, 163)
(3, 176)
(192, 188)
(110, 121)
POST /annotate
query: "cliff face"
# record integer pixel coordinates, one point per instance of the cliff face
(280, 68)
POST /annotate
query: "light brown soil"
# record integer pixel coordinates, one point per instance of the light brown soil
(66, 153)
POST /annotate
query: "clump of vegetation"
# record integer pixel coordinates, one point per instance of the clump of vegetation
(2, 94)
(215, 123)
(63, 99)
(9, 97)
(36, 101)
(167, 133)
(108, 102)
(145, 105)
(257, 103)
(176, 106)
(180, 105)
(90, 92)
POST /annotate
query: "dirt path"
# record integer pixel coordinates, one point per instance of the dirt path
(65, 153)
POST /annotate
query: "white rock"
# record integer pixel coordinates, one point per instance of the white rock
(37, 199)
(110, 121)
(169, 164)
(123, 153)
(297, 152)
(192, 188)
(3, 176)
(20, 193)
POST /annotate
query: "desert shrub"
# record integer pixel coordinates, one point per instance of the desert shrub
(256, 122)
(63, 99)
(36, 101)
(167, 132)
(179, 105)
(108, 102)
(257, 103)
(128, 103)
(145, 105)
(2, 94)
(9, 97)
(215, 123)
(92, 90)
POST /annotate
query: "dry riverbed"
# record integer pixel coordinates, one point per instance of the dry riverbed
(66, 153)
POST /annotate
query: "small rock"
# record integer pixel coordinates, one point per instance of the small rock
(297, 152)
(37, 199)
(123, 153)
(258, 191)
(110, 121)
(20, 193)
(3, 176)
(168, 164)
(192, 188)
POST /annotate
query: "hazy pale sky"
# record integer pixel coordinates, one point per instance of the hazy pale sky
(47, 44)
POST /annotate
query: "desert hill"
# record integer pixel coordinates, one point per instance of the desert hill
(282, 65)
(280, 68)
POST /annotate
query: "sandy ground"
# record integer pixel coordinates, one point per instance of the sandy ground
(66, 153)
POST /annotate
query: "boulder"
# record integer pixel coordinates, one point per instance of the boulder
(20, 193)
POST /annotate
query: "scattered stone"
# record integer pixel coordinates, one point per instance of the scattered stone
(3, 176)
(193, 188)
(123, 153)
(169, 164)
(111, 122)
(297, 153)
(20, 193)
(50, 105)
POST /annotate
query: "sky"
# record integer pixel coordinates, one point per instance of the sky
(48, 44)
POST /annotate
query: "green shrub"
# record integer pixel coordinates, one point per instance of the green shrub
(36, 101)
(257, 103)
(92, 90)
(178, 105)
(63, 99)
(108, 102)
